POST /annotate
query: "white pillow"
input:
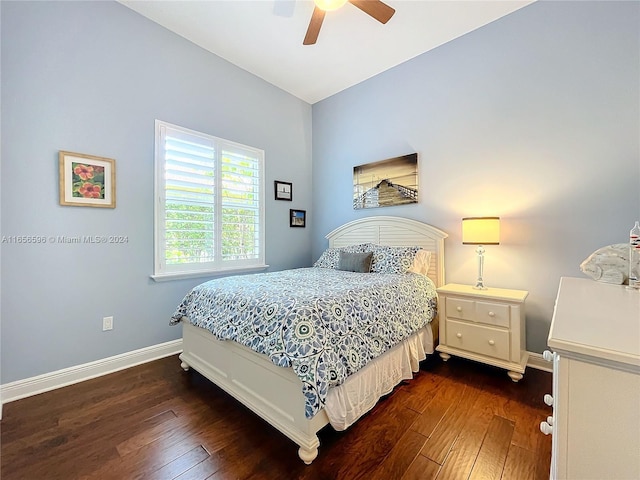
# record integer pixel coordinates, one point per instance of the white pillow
(421, 262)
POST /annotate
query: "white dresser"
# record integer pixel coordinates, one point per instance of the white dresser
(595, 337)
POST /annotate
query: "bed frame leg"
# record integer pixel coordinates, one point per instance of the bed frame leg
(308, 455)
(184, 365)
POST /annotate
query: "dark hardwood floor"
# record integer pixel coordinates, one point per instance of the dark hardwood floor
(455, 420)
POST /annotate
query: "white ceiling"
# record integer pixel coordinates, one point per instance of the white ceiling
(264, 37)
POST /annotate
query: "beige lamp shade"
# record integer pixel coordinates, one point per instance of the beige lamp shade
(481, 231)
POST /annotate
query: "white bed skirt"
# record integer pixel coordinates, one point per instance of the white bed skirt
(361, 391)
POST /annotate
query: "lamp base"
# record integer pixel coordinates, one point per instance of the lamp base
(480, 281)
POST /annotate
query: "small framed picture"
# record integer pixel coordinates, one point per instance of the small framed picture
(86, 180)
(284, 190)
(297, 218)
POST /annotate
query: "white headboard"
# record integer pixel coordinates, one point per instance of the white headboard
(397, 232)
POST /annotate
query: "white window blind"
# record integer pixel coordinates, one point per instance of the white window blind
(209, 203)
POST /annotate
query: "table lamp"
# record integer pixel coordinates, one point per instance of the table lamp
(480, 231)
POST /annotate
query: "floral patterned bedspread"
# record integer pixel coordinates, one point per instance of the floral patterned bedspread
(326, 324)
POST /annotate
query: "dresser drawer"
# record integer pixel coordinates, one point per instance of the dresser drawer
(484, 340)
(489, 313)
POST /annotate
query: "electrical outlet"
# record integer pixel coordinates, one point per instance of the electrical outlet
(107, 324)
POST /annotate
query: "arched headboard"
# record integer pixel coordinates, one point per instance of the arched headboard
(397, 232)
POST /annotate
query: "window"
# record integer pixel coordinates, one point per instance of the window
(209, 198)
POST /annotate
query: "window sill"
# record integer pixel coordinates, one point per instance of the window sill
(166, 277)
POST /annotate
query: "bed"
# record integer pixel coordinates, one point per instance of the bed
(276, 383)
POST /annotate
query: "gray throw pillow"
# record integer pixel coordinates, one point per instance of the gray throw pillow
(355, 262)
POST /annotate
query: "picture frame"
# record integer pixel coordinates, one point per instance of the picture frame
(297, 218)
(87, 180)
(283, 190)
(386, 183)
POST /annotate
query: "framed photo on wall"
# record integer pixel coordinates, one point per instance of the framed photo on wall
(297, 218)
(284, 190)
(87, 180)
(386, 183)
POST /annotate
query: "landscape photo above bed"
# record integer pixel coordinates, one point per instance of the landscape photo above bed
(386, 183)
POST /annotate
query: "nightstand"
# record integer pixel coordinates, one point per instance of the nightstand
(484, 325)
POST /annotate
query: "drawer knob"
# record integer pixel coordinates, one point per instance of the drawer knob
(459, 335)
(547, 355)
(546, 428)
(548, 400)
(491, 342)
(492, 314)
(459, 309)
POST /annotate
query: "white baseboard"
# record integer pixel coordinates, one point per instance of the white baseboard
(68, 376)
(10, 392)
(536, 361)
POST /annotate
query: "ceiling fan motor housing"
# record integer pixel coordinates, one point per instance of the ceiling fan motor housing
(374, 8)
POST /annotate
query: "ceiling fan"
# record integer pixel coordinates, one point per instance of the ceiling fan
(375, 8)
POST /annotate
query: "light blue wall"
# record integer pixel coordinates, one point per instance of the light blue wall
(534, 118)
(91, 77)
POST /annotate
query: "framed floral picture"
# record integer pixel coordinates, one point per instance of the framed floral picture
(87, 180)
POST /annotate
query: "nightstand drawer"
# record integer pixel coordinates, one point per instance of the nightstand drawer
(482, 312)
(483, 340)
(460, 308)
(492, 314)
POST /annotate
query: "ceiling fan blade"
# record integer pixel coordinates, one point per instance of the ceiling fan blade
(377, 9)
(314, 26)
